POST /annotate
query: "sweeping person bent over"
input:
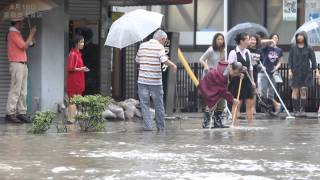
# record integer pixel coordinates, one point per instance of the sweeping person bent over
(214, 88)
(210, 60)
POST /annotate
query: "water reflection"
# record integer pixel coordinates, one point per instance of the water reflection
(269, 150)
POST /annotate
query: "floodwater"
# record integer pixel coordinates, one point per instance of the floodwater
(272, 149)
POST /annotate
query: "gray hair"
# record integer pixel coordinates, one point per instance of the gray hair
(158, 35)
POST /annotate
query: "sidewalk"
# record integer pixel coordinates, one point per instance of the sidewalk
(257, 116)
(199, 116)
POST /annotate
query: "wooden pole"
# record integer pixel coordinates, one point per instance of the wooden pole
(234, 118)
(171, 78)
(105, 51)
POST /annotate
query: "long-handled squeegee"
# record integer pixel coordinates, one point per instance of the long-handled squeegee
(289, 116)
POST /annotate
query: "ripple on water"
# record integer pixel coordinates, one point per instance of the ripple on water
(135, 154)
(189, 175)
(91, 171)
(186, 162)
(224, 176)
(62, 169)
(6, 167)
(241, 128)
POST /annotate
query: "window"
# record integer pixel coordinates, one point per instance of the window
(181, 19)
(209, 20)
(245, 11)
(199, 21)
(202, 22)
(276, 22)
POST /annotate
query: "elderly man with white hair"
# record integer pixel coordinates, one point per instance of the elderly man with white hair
(149, 57)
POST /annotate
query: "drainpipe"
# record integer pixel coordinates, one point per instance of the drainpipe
(225, 24)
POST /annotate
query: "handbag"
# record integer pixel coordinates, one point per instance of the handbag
(277, 77)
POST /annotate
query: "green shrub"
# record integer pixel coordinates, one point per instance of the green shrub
(41, 122)
(89, 112)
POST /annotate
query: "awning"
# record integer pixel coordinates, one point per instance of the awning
(147, 2)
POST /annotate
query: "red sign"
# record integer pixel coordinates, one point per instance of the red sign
(146, 2)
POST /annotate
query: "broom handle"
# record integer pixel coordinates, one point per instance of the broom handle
(238, 97)
(258, 95)
(275, 90)
(239, 89)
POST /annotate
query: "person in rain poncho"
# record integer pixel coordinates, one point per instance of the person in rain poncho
(302, 66)
(214, 87)
(209, 60)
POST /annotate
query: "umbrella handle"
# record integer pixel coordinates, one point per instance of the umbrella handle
(236, 107)
(29, 23)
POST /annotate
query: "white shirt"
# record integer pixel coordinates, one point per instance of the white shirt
(12, 28)
(233, 56)
(212, 57)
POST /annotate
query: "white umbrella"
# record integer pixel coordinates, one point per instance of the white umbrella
(312, 28)
(133, 27)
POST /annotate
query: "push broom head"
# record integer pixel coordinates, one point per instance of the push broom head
(290, 118)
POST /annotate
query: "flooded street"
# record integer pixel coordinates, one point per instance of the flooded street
(272, 149)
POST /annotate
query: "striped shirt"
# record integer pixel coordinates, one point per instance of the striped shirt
(149, 57)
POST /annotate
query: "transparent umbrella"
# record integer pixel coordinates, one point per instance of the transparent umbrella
(312, 29)
(133, 27)
(248, 27)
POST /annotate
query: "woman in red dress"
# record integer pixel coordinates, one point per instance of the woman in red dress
(75, 79)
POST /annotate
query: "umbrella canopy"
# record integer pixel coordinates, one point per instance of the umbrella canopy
(248, 27)
(133, 27)
(22, 8)
(312, 29)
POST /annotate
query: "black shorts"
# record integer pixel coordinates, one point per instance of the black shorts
(246, 91)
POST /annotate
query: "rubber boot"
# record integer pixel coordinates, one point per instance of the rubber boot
(303, 103)
(295, 106)
(206, 119)
(218, 120)
(215, 121)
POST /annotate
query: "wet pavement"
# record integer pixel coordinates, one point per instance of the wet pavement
(272, 149)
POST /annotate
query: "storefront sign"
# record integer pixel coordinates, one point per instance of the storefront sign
(19, 10)
(289, 10)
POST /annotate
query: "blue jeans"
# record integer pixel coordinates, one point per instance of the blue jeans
(156, 92)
